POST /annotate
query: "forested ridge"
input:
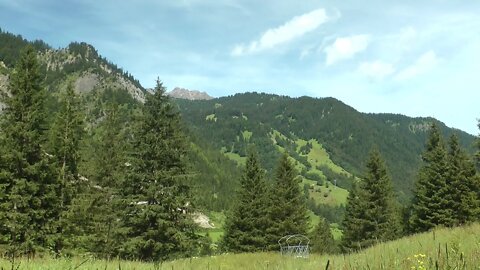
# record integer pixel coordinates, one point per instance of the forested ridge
(345, 133)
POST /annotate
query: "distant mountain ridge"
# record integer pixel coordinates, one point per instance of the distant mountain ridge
(304, 125)
(183, 93)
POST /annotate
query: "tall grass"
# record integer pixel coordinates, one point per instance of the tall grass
(457, 248)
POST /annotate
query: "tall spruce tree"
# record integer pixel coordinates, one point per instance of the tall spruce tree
(287, 206)
(65, 136)
(373, 208)
(464, 184)
(432, 203)
(321, 238)
(477, 144)
(29, 197)
(156, 218)
(93, 217)
(246, 225)
(353, 223)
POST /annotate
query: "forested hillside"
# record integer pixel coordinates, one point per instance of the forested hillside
(103, 89)
(274, 123)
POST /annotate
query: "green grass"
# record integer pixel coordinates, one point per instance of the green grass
(318, 156)
(457, 248)
(247, 135)
(211, 117)
(236, 157)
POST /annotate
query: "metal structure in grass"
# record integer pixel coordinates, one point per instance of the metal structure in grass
(295, 245)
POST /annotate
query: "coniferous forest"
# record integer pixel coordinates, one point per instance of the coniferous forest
(105, 174)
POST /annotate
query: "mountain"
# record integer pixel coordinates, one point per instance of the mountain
(101, 83)
(328, 139)
(183, 93)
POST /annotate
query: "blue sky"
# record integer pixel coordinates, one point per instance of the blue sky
(418, 58)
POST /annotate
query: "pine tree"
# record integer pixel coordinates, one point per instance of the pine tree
(372, 207)
(92, 218)
(156, 219)
(29, 199)
(464, 184)
(432, 202)
(246, 225)
(65, 137)
(321, 238)
(477, 144)
(353, 223)
(288, 211)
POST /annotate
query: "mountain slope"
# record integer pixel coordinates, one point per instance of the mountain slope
(101, 83)
(276, 122)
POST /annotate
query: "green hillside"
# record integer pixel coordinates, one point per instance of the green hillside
(100, 84)
(339, 137)
(456, 248)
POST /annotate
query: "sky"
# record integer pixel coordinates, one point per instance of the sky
(417, 58)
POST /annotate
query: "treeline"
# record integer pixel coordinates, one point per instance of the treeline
(130, 198)
(266, 211)
(447, 194)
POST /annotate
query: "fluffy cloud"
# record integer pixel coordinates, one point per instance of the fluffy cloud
(376, 69)
(423, 64)
(296, 27)
(346, 47)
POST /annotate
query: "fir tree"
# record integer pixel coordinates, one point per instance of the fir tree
(321, 238)
(288, 211)
(246, 225)
(477, 144)
(29, 188)
(464, 184)
(373, 208)
(93, 217)
(65, 137)
(432, 202)
(353, 223)
(156, 218)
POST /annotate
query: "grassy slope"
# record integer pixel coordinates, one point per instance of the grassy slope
(448, 248)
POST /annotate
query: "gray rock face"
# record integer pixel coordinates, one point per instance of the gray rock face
(86, 83)
(183, 93)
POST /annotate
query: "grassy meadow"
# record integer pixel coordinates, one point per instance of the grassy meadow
(457, 248)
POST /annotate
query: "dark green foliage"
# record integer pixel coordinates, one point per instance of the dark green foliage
(96, 209)
(29, 195)
(248, 221)
(333, 214)
(477, 144)
(288, 211)
(345, 133)
(371, 209)
(156, 209)
(65, 137)
(215, 177)
(12, 45)
(432, 202)
(353, 224)
(321, 239)
(464, 185)
(341, 179)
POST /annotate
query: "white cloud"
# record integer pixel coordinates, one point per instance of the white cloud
(346, 47)
(423, 64)
(376, 70)
(296, 27)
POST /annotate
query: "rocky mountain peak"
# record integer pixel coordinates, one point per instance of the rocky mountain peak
(183, 93)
